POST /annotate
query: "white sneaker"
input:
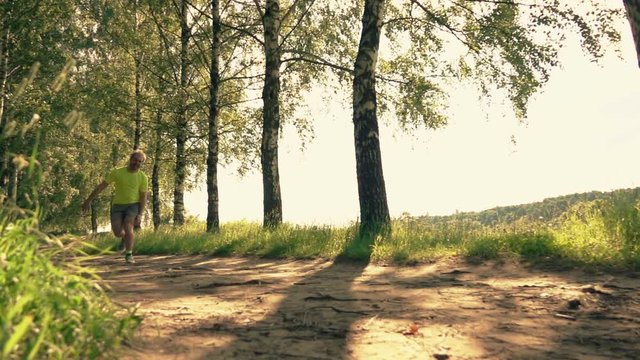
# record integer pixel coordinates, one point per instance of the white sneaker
(128, 258)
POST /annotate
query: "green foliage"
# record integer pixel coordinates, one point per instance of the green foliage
(47, 104)
(505, 48)
(86, 106)
(50, 305)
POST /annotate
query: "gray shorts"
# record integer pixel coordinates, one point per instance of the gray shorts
(122, 211)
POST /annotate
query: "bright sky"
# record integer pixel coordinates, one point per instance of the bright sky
(582, 134)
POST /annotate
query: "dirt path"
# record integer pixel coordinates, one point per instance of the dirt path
(199, 307)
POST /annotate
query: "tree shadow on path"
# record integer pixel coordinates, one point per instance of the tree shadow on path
(312, 320)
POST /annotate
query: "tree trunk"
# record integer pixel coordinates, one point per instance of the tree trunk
(181, 129)
(374, 211)
(13, 182)
(213, 216)
(633, 14)
(155, 175)
(138, 112)
(272, 201)
(4, 74)
(94, 216)
(4, 70)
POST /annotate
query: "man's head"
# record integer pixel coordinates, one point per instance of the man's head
(136, 160)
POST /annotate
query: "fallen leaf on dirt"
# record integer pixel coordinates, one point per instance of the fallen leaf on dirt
(413, 329)
(441, 356)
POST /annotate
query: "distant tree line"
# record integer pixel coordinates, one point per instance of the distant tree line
(547, 211)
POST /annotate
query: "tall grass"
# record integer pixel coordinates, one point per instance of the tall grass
(242, 238)
(50, 306)
(602, 233)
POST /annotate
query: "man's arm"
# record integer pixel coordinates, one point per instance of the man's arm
(142, 205)
(87, 203)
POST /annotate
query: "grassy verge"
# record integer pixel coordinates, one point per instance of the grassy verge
(241, 238)
(593, 235)
(51, 306)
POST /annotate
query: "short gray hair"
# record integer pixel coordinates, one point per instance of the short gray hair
(138, 151)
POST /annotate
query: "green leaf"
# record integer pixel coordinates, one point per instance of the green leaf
(17, 308)
(18, 333)
(43, 331)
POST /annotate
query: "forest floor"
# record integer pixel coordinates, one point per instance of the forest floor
(197, 307)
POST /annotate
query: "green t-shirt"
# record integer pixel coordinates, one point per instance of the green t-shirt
(128, 185)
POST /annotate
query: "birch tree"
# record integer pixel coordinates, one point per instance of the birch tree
(286, 28)
(213, 216)
(633, 14)
(374, 211)
(506, 48)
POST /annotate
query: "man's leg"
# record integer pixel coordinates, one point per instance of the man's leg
(128, 233)
(128, 238)
(117, 226)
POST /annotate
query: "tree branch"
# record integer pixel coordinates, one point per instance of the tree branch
(259, 8)
(313, 59)
(284, 38)
(246, 32)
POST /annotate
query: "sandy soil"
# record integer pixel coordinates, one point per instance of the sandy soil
(198, 307)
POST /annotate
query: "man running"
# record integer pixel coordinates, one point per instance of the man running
(129, 200)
